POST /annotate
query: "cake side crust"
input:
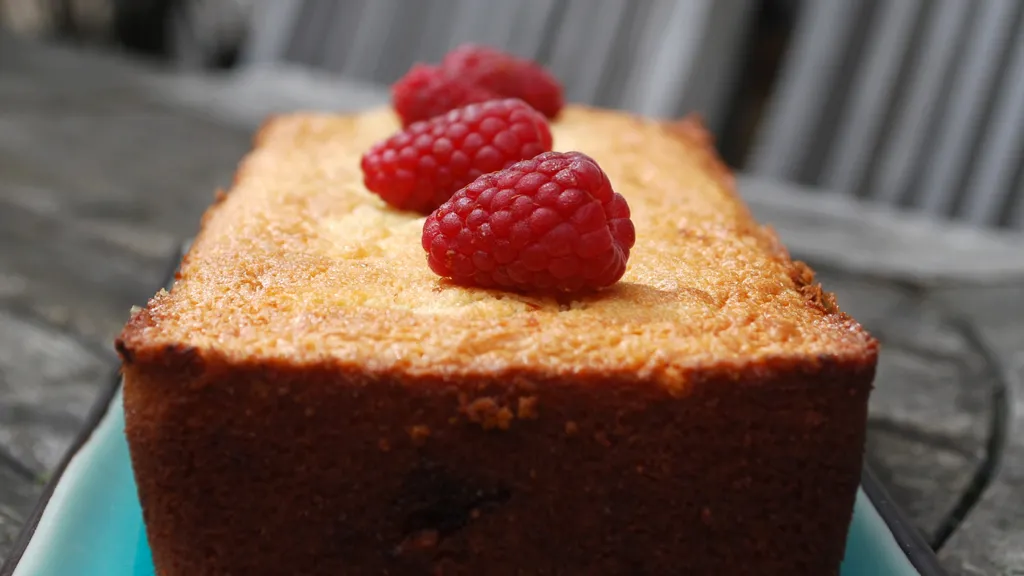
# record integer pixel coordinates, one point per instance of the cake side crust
(264, 467)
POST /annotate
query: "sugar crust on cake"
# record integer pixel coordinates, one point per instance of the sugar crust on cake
(299, 262)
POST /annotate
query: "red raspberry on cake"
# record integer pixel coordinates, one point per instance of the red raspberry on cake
(552, 223)
(428, 91)
(507, 75)
(420, 168)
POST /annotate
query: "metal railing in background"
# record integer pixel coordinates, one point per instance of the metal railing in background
(917, 104)
(914, 104)
(655, 57)
(911, 103)
(196, 34)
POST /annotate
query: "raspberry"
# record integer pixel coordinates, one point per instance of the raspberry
(552, 223)
(428, 91)
(507, 75)
(422, 166)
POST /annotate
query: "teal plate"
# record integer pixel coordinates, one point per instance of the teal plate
(89, 522)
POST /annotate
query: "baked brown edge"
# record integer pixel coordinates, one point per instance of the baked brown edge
(692, 130)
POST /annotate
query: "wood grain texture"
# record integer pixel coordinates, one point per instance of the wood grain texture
(990, 540)
(98, 182)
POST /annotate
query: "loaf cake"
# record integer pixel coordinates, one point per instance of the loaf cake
(311, 399)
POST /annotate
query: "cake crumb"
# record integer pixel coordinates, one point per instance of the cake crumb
(705, 515)
(419, 434)
(571, 428)
(384, 445)
(528, 408)
(489, 414)
(815, 419)
(420, 540)
(503, 419)
(478, 409)
(601, 438)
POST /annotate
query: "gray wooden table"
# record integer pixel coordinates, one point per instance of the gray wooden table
(105, 165)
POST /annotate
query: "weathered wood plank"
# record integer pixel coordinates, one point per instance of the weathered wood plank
(91, 202)
(990, 540)
(99, 181)
(48, 382)
(114, 167)
(74, 278)
(18, 496)
(927, 431)
(877, 241)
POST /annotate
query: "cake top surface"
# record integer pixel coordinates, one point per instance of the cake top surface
(299, 262)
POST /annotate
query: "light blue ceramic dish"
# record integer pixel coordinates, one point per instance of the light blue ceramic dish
(89, 522)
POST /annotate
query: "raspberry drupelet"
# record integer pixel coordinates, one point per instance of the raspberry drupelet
(428, 91)
(422, 166)
(507, 75)
(552, 223)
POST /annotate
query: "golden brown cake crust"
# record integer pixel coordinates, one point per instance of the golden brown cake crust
(299, 261)
(310, 399)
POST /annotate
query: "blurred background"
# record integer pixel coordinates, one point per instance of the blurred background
(907, 103)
